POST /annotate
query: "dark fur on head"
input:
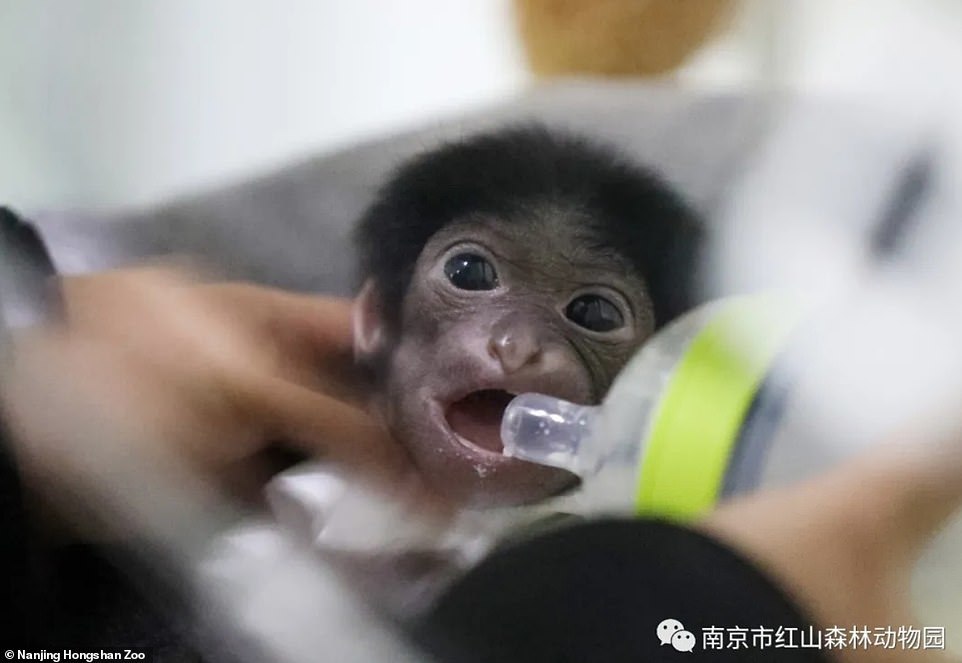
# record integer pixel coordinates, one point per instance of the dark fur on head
(631, 210)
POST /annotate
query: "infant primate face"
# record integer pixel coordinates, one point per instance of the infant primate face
(496, 309)
(517, 260)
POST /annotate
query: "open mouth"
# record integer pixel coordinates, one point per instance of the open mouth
(476, 418)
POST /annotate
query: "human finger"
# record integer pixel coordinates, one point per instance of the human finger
(310, 336)
(327, 428)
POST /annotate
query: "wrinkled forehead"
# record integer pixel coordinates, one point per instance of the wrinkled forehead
(556, 241)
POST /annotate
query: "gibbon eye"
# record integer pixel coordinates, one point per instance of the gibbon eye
(595, 313)
(469, 271)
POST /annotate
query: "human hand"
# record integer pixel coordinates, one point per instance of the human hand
(212, 375)
(845, 543)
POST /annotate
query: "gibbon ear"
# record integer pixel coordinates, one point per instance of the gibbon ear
(368, 323)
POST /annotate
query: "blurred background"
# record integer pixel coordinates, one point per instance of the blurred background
(128, 102)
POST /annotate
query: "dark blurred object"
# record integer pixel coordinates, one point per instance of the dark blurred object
(615, 37)
(26, 294)
(598, 591)
(897, 218)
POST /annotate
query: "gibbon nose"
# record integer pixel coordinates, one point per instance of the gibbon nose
(514, 344)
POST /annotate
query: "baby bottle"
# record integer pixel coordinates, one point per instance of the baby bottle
(687, 421)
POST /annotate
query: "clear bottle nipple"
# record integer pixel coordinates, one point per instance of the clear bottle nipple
(549, 431)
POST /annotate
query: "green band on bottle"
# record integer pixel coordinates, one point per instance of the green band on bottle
(698, 419)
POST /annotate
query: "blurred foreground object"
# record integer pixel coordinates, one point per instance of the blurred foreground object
(615, 37)
(218, 372)
(139, 421)
(573, 589)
